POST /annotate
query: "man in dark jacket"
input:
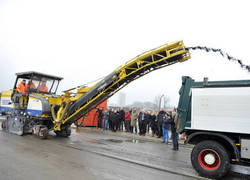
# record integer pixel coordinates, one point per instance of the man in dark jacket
(160, 116)
(112, 117)
(174, 134)
(110, 125)
(100, 115)
(121, 118)
(142, 123)
(153, 123)
(116, 120)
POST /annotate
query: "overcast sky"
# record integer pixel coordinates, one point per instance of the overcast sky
(85, 40)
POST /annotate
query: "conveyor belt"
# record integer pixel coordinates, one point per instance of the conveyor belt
(139, 66)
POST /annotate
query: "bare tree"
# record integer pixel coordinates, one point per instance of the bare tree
(152, 105)
(157, 102)
(161, 99)
(166, 101)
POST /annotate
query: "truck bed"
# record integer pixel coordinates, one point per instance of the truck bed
(225, 109)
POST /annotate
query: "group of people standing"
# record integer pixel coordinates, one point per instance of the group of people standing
(141, 122)
(112, 119)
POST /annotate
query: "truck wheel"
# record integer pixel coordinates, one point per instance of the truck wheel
(68, 131)
(64, 133)
(210, 159)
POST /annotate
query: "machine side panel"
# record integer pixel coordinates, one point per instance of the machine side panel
(5, 102)
(221, 109)
(34, 107)
(37, 105)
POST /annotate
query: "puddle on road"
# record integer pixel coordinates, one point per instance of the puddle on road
(114, 140)
(135, 141)
(102, 141)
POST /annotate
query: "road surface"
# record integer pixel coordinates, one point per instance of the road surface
(93, 155)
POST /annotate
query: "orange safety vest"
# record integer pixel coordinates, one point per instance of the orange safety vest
(43, 88)
(21, 88)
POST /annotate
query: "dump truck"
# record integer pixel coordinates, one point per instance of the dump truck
(215, 117)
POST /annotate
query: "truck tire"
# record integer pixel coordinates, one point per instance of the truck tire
(64, 133)
(210, 159)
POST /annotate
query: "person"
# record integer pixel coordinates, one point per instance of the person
(112, 120)
(109, 120)
(142, 123)
(156, 125)
(160, 117)
(134, 117)
(121, 119)
(174, 132)
(153, 123)
(42, 87)
(30, 85)
(105, 119)
(21, 88)
(100, 116)
(127, 121)
(147, 120)
(22, 98)
(116, 120)
(165, 127)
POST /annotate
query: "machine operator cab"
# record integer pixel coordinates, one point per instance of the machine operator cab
(31, 90)
(36, 82)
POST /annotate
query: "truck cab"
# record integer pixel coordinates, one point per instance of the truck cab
(215, 117)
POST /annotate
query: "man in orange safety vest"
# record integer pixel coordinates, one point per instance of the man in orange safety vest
(43, 86)
(21, 88)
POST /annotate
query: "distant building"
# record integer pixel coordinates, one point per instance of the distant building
(121, 99)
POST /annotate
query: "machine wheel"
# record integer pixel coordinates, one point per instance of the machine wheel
(64, 132)
(43, 133)
(210, 159)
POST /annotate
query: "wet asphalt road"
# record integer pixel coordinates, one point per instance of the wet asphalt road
(92, 155)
